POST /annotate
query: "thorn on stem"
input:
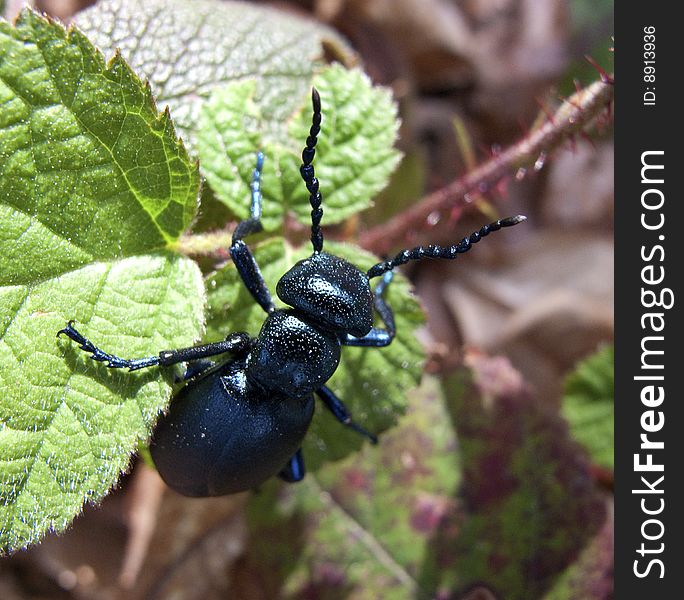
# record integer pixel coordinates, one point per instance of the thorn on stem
(605, 77)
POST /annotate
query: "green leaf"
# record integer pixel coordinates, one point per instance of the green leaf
(531, 501)
(364, 525)
(589, 405)
(228, 139)
(373, 382)
(591, 575)
(355, 151)
(187, 49)
(94, 189)
(506, 501)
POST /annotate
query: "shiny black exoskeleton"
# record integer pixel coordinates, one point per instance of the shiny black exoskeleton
(237, 423)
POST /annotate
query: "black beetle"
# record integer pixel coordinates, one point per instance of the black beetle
(239, 422)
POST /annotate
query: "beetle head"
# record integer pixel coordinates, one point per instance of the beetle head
(331, 291)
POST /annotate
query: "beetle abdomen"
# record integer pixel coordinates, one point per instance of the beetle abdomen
(216, 439)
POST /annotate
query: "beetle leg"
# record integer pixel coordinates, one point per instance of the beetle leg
(294, 470)
(341, 412)
(194, 368)
(235, 343)
(242, 256)
(377, 337)
(114, 362)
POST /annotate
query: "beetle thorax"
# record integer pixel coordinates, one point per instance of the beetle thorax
(292, 356)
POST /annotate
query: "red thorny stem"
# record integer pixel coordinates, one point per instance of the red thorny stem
(570, 118)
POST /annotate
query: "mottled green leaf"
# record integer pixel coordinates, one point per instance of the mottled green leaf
(373, 382)
(94, 189)
(589, 405)
(187, 49)
(506, 506)
(591, 576)
(363, 527)
(228, 138)
(530, 499)
(355, 154)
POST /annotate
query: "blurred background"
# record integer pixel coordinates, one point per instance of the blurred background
(502, 470)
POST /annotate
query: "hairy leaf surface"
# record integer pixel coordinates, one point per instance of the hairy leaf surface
(355, 154)
(94, 189)
(187, 49)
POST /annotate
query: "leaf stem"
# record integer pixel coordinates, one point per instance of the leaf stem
(213, 243)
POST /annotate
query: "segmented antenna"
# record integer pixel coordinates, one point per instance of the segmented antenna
(434, 251)
(308, 175)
